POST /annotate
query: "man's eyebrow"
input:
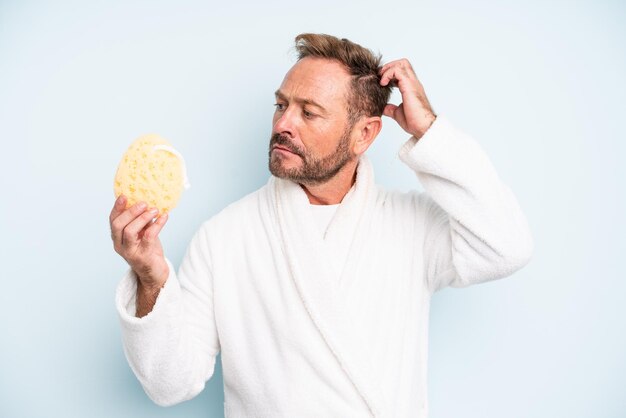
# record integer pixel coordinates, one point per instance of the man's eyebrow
(303, 100)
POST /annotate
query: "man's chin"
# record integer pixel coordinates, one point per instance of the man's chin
(280, 170)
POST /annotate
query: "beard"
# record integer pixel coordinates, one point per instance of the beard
(312, 170)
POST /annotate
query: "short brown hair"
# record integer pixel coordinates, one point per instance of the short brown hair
(367, 97)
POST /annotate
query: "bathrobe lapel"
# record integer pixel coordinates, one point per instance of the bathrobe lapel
(322, 268)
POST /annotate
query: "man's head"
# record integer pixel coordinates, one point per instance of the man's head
(328, 109)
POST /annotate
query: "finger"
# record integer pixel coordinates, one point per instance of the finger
(388, 65)
(387, 76)
(389, 110)
(152, 232)
(403, 64)
(130, 236)
(400, 77)
(118, 224)
(118, 207)
(394, 76)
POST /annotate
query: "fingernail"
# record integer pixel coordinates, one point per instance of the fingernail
(154, 211)
(141, 205)
(120, 199)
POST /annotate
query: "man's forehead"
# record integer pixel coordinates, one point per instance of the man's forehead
(315, 79)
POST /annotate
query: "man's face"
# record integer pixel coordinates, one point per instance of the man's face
(311, 136)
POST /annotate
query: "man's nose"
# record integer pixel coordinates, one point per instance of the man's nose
(285, 123)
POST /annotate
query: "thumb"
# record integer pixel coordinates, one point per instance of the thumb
(389, 110)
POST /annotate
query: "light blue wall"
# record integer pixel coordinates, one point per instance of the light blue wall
(539, 84)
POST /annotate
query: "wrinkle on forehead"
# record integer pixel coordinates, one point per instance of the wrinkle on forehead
(319, 80)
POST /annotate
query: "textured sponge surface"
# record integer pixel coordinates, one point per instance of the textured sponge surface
(149, 173)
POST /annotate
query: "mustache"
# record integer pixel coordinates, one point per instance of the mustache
(283, 141)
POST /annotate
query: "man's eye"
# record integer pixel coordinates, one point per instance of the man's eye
(308, 114)
(279, 106)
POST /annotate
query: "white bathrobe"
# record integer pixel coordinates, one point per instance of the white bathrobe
(333, 326)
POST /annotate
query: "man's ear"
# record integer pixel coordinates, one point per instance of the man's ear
(366, 130)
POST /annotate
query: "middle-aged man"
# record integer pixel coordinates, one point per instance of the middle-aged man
(316, 288)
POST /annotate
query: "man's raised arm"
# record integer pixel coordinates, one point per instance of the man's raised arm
(475, 230)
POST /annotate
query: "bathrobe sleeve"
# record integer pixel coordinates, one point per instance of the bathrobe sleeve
(474, 228)
(172, 350)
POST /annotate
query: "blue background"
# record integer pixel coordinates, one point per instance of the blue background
(539, 84)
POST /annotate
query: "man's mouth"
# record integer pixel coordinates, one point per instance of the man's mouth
(281, 148)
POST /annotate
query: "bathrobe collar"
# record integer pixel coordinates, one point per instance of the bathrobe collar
(322, 268)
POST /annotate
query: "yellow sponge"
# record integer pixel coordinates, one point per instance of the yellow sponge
(151, 171)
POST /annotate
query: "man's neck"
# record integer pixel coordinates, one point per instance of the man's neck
(333, 191)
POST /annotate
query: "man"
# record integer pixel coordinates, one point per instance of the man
(316, 287)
